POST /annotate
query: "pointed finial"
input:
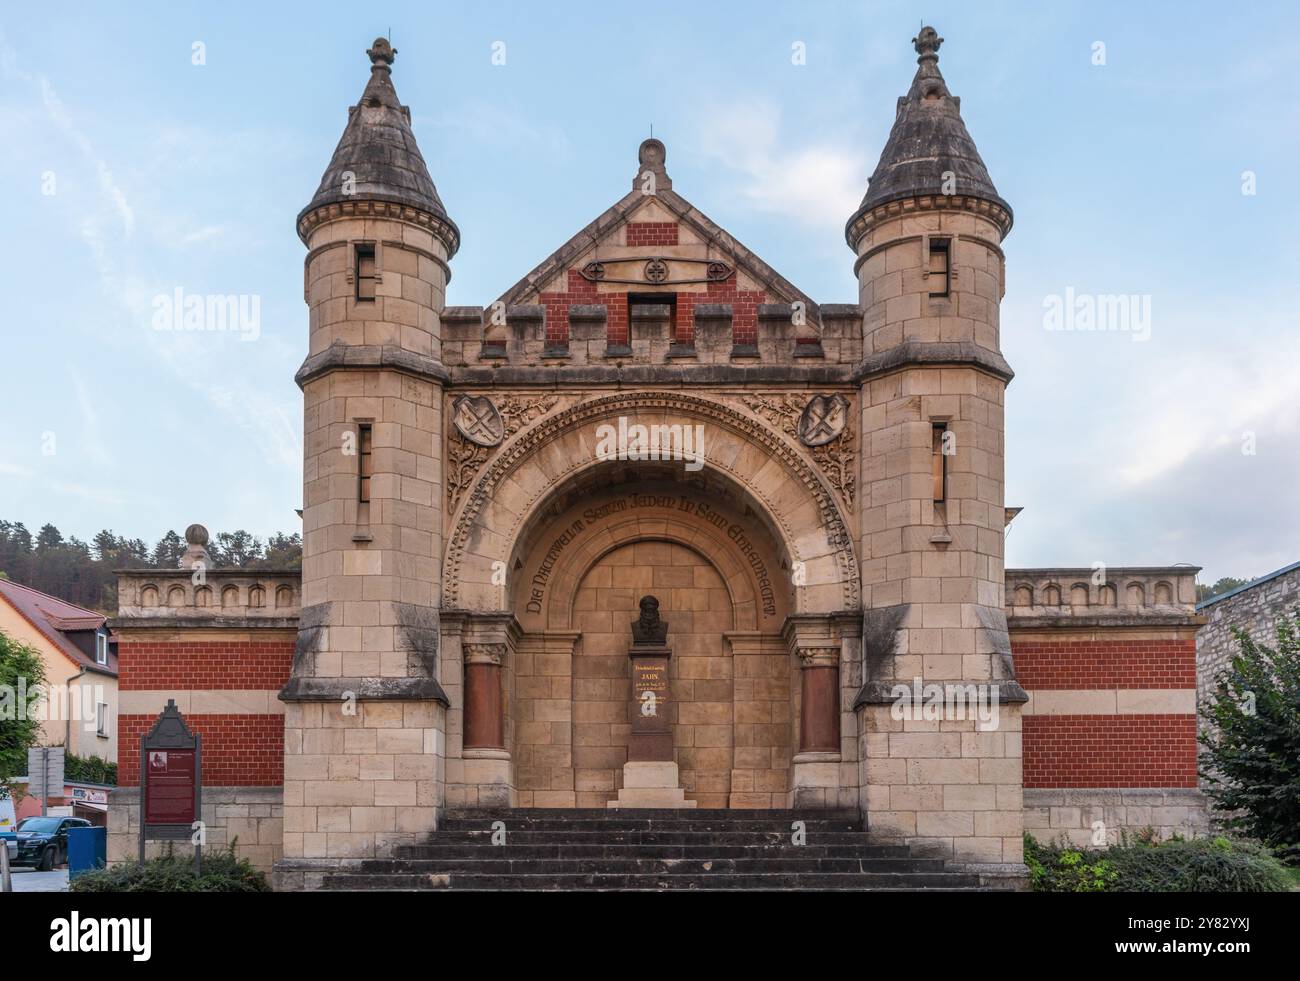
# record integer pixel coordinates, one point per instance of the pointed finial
(381, 54)
(927, 43)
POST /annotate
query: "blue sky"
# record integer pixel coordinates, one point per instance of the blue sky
(1126, 178)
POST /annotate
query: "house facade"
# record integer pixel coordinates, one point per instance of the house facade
(656, 529)
(79, 654)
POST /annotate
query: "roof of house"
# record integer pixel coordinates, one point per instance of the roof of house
(54, 618)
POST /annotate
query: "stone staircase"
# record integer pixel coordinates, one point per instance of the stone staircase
(591, 849)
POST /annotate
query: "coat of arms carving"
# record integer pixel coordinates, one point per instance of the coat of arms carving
(477, 420)
(823, 419)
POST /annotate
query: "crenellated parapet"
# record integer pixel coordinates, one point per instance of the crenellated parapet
(609, 341)
(216, 594)
(1104, 596)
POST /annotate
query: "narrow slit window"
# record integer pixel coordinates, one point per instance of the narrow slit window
(363, 462)
(365, 272)
(101, 720)
(940, 266)
(939, 461)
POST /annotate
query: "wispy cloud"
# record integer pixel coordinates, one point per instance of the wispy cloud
(94, 494)
(779, 172)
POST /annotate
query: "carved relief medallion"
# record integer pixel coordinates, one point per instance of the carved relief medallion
(477, 420)
(823, 419)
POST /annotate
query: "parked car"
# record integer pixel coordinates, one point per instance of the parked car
(43, 841)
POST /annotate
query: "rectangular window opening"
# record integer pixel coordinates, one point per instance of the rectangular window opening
(365, 272)
(364, 451)
(940, 267)
(101, 648)
(939, 453)
(101, 719)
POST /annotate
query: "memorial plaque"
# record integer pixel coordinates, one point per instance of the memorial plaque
(171, 779)
(169, 792)
(651, 736)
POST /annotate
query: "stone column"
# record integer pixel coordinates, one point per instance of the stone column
(819, 708)
(488, 643)
(817, 776)
(484, 718)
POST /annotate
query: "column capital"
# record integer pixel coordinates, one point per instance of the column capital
(480, 653)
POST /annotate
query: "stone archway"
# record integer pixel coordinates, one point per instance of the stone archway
(520, 480)
(580, 540)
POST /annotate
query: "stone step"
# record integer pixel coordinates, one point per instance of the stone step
(642, 824)
(909, 881)
(642, 837)
(658, 815)
(701, 852)
(634, 863)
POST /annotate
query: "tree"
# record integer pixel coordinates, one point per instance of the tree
(18, 732)
(283, 552)
(167, 553)
(236, 549)
(1224, 585)
(48, 537)
(1251, 756)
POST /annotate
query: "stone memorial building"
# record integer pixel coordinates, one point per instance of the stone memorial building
(655, 529)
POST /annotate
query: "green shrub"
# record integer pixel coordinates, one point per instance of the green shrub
(1060, 868)
(1141, 864)
(90, 769)
(1251, 741)
(1200, 865)
(222, 872)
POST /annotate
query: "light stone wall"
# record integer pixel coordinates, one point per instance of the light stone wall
(946, 787)
(252, 818)
(357, 784)
(1257, 610)
(363, 775)
(1087, 817)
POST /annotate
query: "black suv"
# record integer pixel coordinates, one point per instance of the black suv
(43, 841)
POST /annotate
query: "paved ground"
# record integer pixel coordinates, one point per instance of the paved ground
(29, 880)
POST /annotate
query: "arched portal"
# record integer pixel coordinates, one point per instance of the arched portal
(561, 545)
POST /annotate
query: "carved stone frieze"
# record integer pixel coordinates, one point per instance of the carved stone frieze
(465, 457)
(828, 422)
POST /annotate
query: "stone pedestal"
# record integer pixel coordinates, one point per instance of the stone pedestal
(650, 784)
(650, 777)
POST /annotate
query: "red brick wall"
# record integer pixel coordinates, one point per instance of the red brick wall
(1110, 751)
(238, 750)
(651, 233)
(205, 665)
(1094, 750)
(1106, 664)
(242, 750)
(744, 309)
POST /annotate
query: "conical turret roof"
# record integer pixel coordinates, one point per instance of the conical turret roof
(377, 158)
(928, 141)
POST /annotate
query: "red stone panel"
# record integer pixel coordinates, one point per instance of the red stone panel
(204, 665)
(1084, 664)
(1109, 751)
(238, 750)
(651, 233)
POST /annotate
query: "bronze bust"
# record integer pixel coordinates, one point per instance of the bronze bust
(649, 629)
